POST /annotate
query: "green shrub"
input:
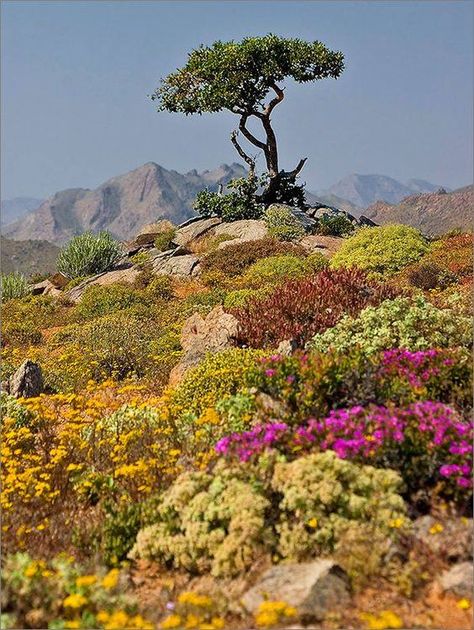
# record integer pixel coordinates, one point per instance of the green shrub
(13, 286)
(119, 344)
(318, 261)
(160, 287)
(239, 203)
(275, 269)
(235, 258)
(385, 249)
(399, 323)
(222, 522)
(164, 240)
(98, 300)
(11, 408)
(282, 224)
(220, 374)
(334, 226)
(21, 334)
(88, 254)
(141, 259)
(119, 531)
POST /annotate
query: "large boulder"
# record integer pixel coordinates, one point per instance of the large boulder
(458, 580)
(27, 381)
(326, 245)
(193, 230)
(147, 235)
(183, 266)
(313, 588)
(241, 231)
(201, 335)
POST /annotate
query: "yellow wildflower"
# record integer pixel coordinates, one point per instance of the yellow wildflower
(173, 621)
(86, 580)
(464, 604)
(74, 601)
(313, 522)
(437, 528)
(111, 579)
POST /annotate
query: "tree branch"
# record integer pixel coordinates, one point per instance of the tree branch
(280, 95)
(250, 137)
(241, 152)
(292, 174)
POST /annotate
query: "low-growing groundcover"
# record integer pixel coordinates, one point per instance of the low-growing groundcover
(330, 446)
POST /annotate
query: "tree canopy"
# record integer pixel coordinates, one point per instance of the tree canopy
(239, 76)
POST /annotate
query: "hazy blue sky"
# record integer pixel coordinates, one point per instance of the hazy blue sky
(76, 75)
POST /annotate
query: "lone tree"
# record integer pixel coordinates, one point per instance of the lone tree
(245, 78)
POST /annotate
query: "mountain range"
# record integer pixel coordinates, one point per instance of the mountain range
(432, 213)
(364, 190)
(16, 208)
(123, 204)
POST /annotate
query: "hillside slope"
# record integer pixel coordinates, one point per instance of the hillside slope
(121, 205)
(28, 257)
(433, 214)
(18, 207)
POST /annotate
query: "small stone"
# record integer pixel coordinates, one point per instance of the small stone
(313, 588)
(458, 580)
(27, 382)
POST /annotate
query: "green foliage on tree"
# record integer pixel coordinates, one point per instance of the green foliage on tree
(245, 78)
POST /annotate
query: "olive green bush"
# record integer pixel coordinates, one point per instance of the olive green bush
(220, 374)
(399, 323)
(98, 300)
(276, 269)
(385, 249)
(88, 254)
(222, 522)
(282, 224)
(13, 286)
(334, 226)
(11, 408)
(240, 297)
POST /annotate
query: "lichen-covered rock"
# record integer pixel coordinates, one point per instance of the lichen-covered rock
(202, 335)
(27, 382)
(451, 538)
(313, 588)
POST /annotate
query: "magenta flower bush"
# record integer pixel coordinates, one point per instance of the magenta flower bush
(429, 443)
(313, 384)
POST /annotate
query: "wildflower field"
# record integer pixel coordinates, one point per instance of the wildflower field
(128, 502)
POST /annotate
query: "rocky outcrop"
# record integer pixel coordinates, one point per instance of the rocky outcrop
(45, 288)
(123, 274)
(173, 265)
(202, 335)
(26, 382)
(327, 245)
(319, 211)
(313, 588)
(191, 231)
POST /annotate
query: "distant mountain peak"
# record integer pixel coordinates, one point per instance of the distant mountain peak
(122, 204)
(364, 190)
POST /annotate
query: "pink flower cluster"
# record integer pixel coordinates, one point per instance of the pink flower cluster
(416, 367)
(421, 438)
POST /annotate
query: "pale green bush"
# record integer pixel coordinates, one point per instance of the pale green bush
(240, 297)
(222, 522)
(324, 497)
(88, 254)
(13, 286)
(282, 224)
(399, 323)
(385, 249)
